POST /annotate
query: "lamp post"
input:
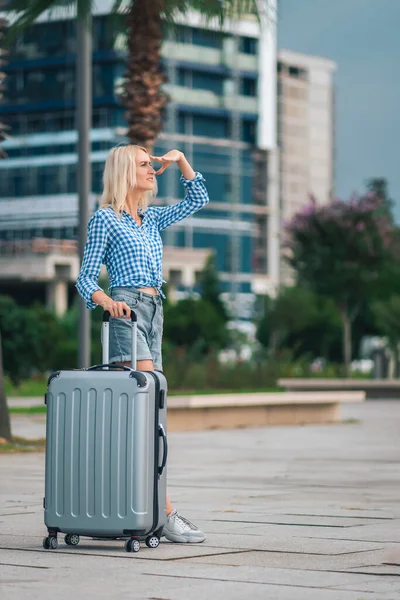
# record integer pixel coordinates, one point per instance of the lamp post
(84, 124)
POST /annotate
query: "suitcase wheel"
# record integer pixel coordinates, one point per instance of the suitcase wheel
(132, 545)
(152, 541)
(72, 539)
(50, 543)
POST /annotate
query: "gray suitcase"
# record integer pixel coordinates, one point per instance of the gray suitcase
(106, 452)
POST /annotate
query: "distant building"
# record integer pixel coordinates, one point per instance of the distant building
(306, 126)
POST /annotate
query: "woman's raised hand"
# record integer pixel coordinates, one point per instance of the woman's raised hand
(167, 159)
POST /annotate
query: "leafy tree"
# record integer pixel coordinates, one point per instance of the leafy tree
(378, 186)
(299, 319)
(66, 354)
(339, 250)
(30, 338)
(210, 287)
(193, 323)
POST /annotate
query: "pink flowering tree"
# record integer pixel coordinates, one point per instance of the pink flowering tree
(339, 250)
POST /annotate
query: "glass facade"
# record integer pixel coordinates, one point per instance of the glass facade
(39, 104)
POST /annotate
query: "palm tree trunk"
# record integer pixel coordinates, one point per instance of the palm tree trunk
(142, 95)
(5, 427)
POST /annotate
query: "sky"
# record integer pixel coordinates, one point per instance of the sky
(362, 37)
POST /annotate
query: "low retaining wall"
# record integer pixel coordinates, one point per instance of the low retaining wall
(373, 388)
(228, 411)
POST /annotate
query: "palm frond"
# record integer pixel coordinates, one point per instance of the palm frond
(28, 12)
(222, 9)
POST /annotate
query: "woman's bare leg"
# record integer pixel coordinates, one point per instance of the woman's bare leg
(147, 365)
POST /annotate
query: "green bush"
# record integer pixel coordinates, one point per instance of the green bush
(30, 337)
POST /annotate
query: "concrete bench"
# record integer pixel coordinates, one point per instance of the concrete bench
(373, 388)
(228, 411)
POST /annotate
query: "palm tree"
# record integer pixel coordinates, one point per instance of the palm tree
(142, 93)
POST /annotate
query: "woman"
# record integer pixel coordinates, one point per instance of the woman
(124, 234)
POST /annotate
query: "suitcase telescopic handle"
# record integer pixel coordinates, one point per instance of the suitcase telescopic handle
(105, 338)
(107, 315)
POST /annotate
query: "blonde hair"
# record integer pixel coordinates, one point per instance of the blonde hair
(120, 175)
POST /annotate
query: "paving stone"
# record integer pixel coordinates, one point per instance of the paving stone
(291, 513)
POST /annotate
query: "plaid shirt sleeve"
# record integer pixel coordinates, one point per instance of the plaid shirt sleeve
(195, 198)
(93, 257)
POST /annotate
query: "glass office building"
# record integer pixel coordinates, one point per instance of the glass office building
(38, 182)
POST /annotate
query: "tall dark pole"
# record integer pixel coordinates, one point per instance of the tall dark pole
(84, 124)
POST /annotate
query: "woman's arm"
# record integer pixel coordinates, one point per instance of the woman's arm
(196, 192)
(186, 169)
(93, 257)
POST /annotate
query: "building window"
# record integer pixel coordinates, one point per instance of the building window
(71, 179)
(203, 37)
(100, 117)
(49, 181)
(97, 177)
(208, 81)
(58, 121)
(246, 188)
(248, 86)
(184, 77)
(182, 123)
(45, 39)
(193, 35)
(200, 80)
(248, 45)
(216, 127)
(180, 33)
(246, 254)
(249, 131)
(105, 29)
(297, 72)
(218, 242)
(218, 185)
(103, 80)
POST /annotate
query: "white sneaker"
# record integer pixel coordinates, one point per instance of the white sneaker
(180, 530)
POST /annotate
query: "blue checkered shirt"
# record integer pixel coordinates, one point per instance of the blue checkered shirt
(132, 253)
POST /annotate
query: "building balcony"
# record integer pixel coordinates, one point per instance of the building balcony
(205, 98)
(191, 53)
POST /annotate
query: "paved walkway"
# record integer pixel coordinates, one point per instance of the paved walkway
(291, 513)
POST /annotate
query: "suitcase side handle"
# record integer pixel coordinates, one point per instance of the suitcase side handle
(161, 433)
(105, 339)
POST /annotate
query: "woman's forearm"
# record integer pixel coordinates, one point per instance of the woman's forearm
(185, 167)
(100, 298)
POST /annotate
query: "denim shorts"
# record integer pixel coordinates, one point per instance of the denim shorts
(150, 320)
